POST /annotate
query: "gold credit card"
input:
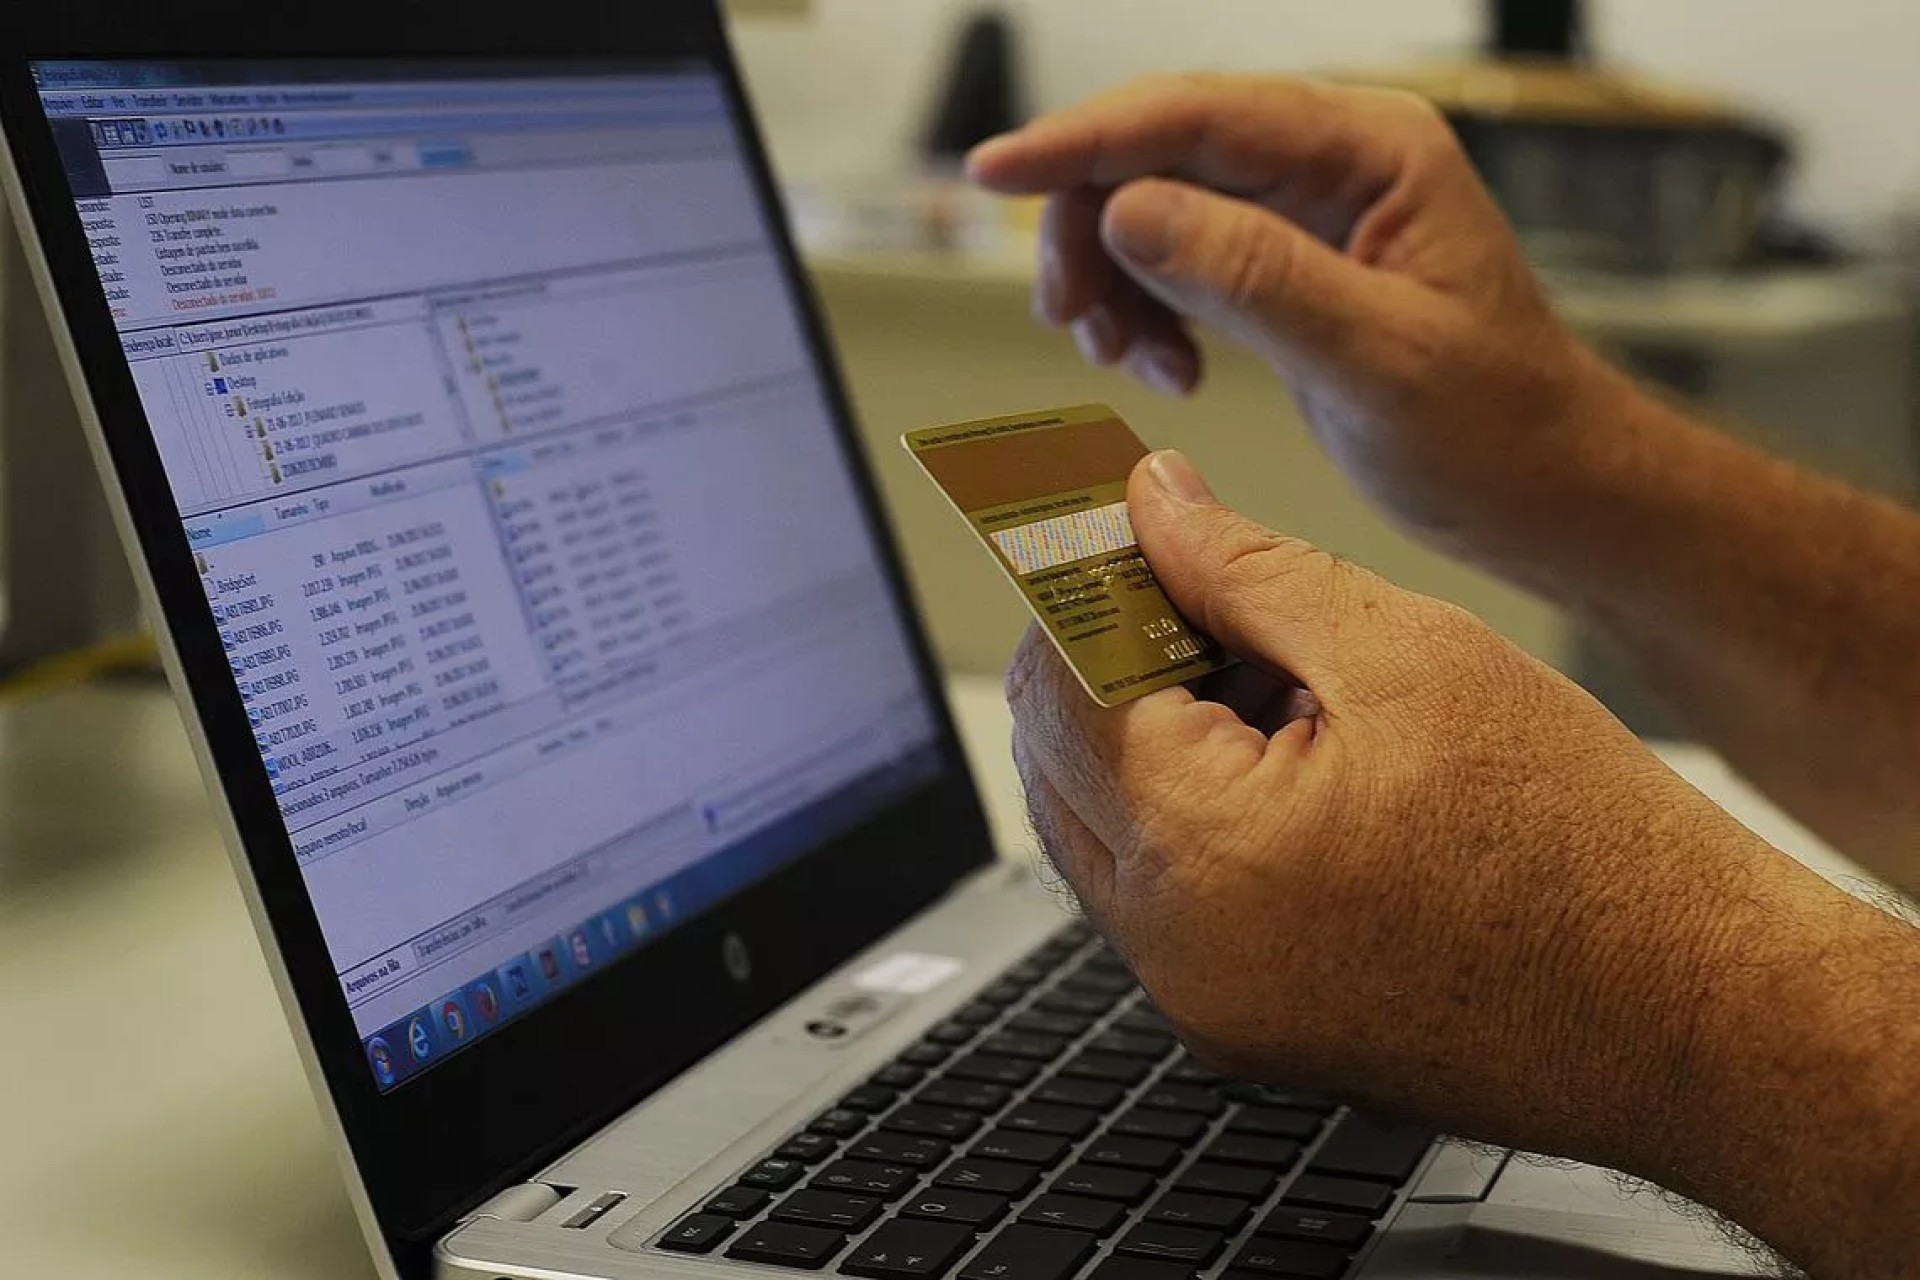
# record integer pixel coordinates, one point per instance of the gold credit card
(1047, 493)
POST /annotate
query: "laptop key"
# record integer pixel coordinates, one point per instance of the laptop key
(1002, 994)
(926, 1054)
(1024, 1044)
(972, 1209)
(839, 1122)
(1245, 1182)
(1012, 1072)
(774, 1175)
(1275, 1122)
(1294, 1261)
(952, 1033)
(737, 1202)
(1108, 1067)
(1074, 1213)
(808, 1148)
(785, 1244)
(835, 1209)
(1369, 1198)
(1144, 1018)
(1132, 1153)
(1186, 1071)
(899, 1075)
(697, 1233)
(861, 1177)
(1098, 981)
(1273, 1095)
(870, 1098)
(908, 1251)
(1040, 1022)
(1067, 941)
(1377, 1150)
(1026, 1252)
(1183, 1097)
(1212, 1213)
(1246, 1148)
(1038, 1117)
(933, 1122)
(1316, 1226)
(1084, 1004)
(1021, 1148)
(968, 1095)
(977, 1014)
(999, 1177)
(1028, 972)
(911, 1149)
(1176, 1244)
(1097, 1095)
(1172, 1125)
(1128, 1186)
(1132, 1044)
(1119, 1267)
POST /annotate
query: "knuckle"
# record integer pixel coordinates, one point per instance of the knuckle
(1416, 114)
(1181, 94)
(1250, 266)
(1264, 565)
(1422, 113)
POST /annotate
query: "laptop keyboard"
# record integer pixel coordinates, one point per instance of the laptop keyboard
(1053, 1127)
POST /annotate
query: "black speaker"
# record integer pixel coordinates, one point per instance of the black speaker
(981, 96)
(1539, 28)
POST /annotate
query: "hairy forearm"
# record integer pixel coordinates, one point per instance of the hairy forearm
(1798, 1111)
(1776, 610)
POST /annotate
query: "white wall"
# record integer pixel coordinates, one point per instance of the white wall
(845, 91)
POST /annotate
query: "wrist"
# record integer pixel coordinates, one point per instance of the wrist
(1526, 499)
(1791, 1102)
(1557, 503)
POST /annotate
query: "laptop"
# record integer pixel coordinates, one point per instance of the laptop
(590, 784)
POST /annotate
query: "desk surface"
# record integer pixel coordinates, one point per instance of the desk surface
(154, 1120)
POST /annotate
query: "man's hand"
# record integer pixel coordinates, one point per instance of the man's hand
(1342, 234)
(1395, 858)
(1448, 882)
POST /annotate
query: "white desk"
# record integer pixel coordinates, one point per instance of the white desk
(153, 1119)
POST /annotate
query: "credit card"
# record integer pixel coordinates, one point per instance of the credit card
(1047, 493)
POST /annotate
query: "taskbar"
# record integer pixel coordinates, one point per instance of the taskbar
(489, 1000)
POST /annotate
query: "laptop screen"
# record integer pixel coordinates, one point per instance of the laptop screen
(516, 496)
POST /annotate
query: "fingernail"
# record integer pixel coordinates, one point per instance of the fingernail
(1174, 474)
(1097, 336)
(1160, 369)
(1143, 223)
(982, 153)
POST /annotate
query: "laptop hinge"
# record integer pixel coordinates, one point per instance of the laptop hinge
(523, 1203)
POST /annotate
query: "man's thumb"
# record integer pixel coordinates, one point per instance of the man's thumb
(1275, 601)
(1241, 269)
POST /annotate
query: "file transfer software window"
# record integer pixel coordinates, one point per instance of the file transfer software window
(512, 489)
